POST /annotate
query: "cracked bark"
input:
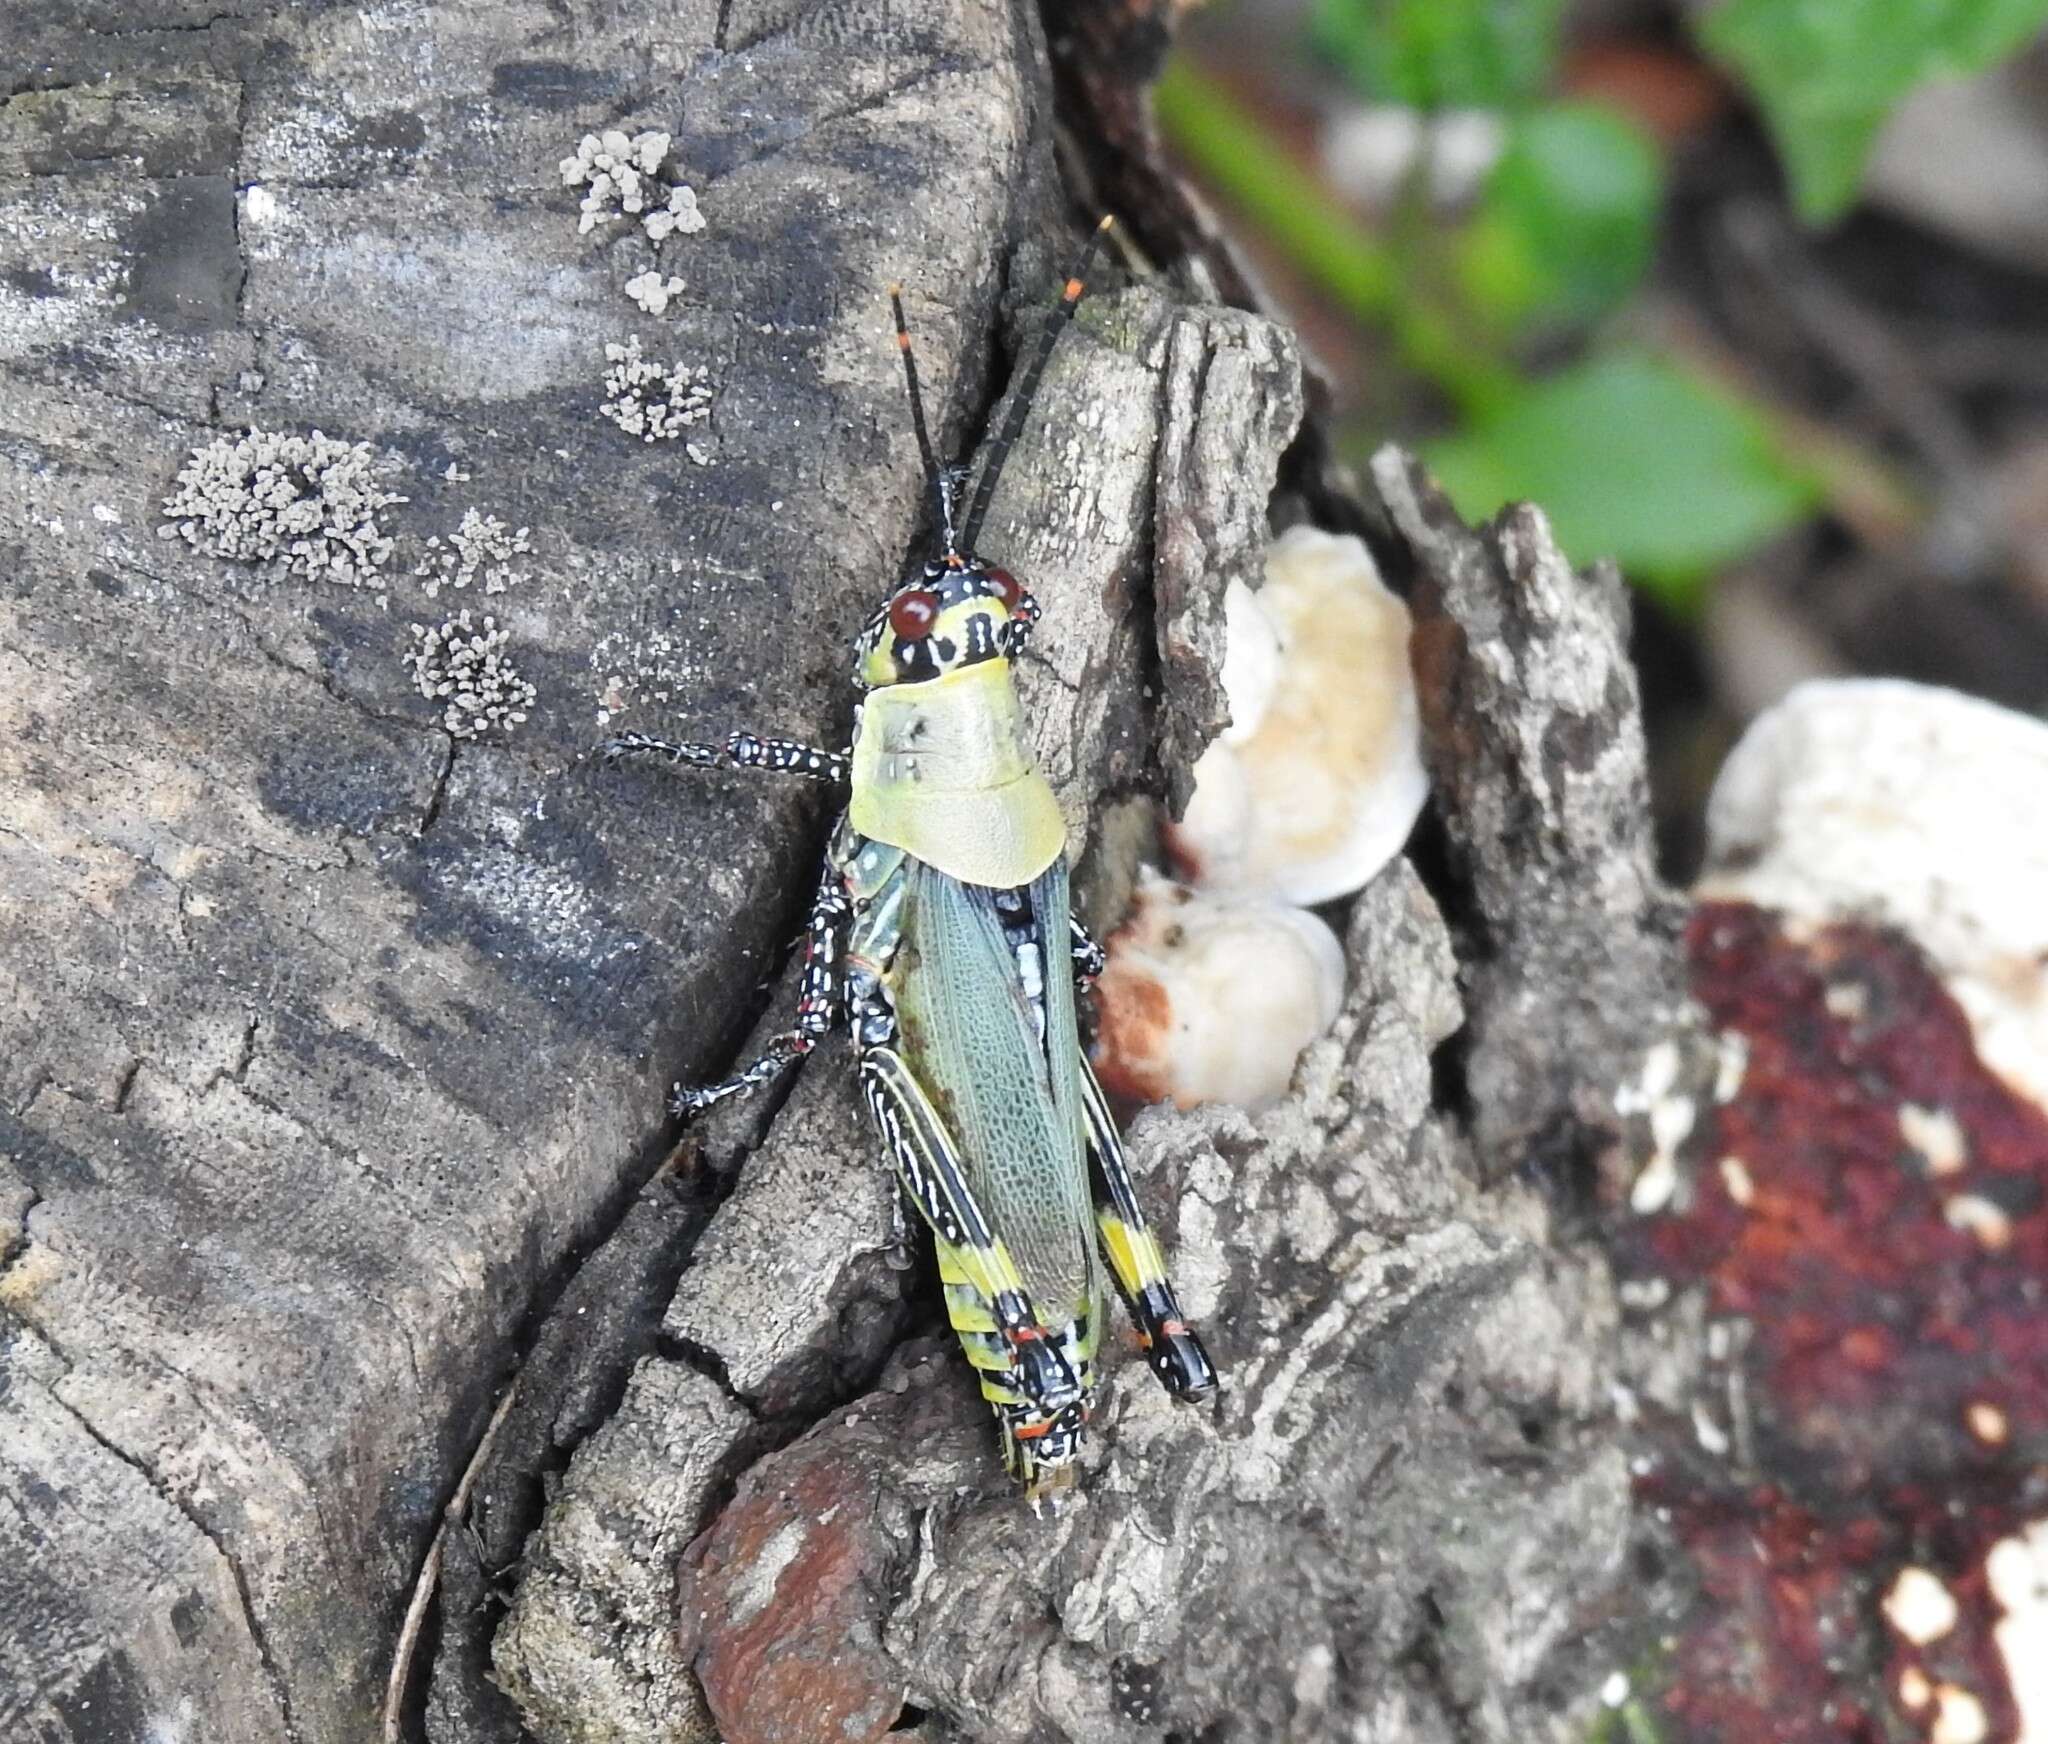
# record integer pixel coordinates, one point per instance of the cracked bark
(407, 1016)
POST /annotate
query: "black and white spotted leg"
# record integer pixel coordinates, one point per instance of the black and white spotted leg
(897, 1255)
(1090, 959)
(816, 1005)
(741, 750)
(928, 1164)
(1173, 1349)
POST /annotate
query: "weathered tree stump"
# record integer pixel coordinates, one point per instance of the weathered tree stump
(331, 1101)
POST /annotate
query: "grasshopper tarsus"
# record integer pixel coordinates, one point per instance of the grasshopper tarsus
(621, 746)
(686, 1102)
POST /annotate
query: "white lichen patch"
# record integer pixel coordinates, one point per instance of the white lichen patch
(1731, 1062)
(656, 402)
(1847, 1000)
(1920, 1606)
(1936, 1135)
(1644, 1295)
(2017, 1570)
(631, 177)
(1980, 1217)
(1709, 1434)
(1959, 1717)
(307, 503)
(1671, 1120)
(464, 667)
(1987, 1422)
(479, 553)
(652, 292)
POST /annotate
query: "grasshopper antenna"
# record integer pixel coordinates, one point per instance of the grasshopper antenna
(1027, 389)
(942, 490)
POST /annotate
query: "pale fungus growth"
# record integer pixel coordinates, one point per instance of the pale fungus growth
(630, 177)
(463, 666)
(656, 402)
(1987, 1422)
(307, 503)
(1212, 999)
(1898, 803)
(1959, 1717)
(2017, 1572)
(652, 292)
(1936, 1135)
(1318, 780)
(1252, 661)
(1920, 1607)
(478, 553)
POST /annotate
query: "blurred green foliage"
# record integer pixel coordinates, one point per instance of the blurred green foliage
(1828, 72)
(1646, 459)
(1638, 458)
(1568, 222)
(1560, 235)
(1442, 54)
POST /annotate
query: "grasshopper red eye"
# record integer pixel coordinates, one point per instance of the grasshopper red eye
(1005, 586)
(912, 614)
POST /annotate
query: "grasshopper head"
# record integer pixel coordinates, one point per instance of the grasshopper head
(956, 612)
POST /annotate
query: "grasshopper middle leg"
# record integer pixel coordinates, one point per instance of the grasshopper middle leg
(816, 1006)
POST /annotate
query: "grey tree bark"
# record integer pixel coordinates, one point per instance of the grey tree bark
(331, 1094)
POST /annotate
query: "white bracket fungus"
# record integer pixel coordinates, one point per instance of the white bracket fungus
(308, 502)
(655, 401)
(1212, 999)
(631, 178)
(479, 552)
(1319, 778)
(1897, 802)
(464, 667)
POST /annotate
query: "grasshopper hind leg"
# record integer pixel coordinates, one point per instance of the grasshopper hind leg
(1173, 1349)
(927, 1164)
(1040, 1443)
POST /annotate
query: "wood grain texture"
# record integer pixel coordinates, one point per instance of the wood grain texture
(332, 1050)
(326, 1043)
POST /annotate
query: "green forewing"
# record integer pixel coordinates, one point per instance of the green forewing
(968, 1035)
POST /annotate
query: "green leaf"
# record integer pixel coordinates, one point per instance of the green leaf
(1568, 222)
(1442, 54)
(1828, 72)
(1636, 459)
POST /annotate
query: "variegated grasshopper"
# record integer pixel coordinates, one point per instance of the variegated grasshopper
(942, 932)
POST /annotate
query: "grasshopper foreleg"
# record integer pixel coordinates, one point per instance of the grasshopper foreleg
(1172, 1347)
(816, 1006)
(741, 750)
